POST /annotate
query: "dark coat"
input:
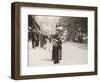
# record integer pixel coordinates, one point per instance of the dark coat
(35, 35)
(57, 49)
(55, 53)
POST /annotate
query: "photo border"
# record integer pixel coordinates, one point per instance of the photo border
(15, 40)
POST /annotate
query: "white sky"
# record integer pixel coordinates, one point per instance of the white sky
(47, 23)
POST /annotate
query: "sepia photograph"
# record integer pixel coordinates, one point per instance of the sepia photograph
(50, 40)
(57, 40)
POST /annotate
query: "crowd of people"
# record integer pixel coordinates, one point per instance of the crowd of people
(37, 38)
(78, 37)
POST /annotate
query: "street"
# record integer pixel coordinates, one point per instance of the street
(72, 54)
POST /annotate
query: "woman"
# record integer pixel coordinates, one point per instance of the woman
(56, 48)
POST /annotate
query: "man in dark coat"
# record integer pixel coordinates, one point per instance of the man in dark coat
(35, 38)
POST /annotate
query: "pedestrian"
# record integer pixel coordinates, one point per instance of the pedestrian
(55, 52)
(43, 41)
(35, 38)
(57, 49)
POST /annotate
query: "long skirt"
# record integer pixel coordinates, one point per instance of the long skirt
(60, 52)
(55, 54)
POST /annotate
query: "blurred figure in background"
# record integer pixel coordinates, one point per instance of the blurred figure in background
(35, 38)
(43, 41)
